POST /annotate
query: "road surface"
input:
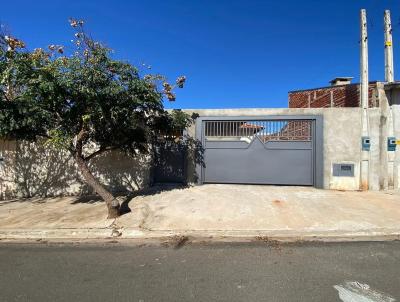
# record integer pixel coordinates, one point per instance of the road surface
(199, 272)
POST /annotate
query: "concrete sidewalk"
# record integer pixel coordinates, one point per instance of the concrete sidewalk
(219, 212)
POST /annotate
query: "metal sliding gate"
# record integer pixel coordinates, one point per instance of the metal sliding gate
(271, 150)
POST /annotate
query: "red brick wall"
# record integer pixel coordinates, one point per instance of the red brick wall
(343, 96)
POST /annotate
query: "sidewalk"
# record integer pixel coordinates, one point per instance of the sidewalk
(212, 212)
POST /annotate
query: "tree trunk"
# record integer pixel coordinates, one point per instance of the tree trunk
(113, 205)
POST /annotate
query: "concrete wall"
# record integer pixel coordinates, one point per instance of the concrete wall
(32, 169)
(342, 140)
(390, 96)
(35, 170)
(396, 133)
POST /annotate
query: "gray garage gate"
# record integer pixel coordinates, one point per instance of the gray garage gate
(280, 150)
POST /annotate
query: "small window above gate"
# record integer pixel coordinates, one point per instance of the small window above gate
(266, 130)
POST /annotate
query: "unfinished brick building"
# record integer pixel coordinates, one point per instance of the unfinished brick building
(341, 93)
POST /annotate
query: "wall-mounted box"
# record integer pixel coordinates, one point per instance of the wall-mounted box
(365, 143)
(345, 175)
(343, 170)
(391, 144)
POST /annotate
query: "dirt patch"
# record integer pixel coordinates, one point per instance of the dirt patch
(176, 241)
(275, 244)
(278, 202)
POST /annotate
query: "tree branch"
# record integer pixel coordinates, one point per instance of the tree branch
(79, 142)
(98, 152)
(6, 97)
(43, 135)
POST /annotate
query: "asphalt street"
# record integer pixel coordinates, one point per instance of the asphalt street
(200, 272)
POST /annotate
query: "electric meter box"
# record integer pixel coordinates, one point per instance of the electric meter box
(366, 143)
(391, 144)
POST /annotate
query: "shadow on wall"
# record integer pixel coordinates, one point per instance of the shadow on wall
(169, 163)
(166, 169)
(195, 158)
(7, 154)
(175, 162)
(120, 173)
(36, 170)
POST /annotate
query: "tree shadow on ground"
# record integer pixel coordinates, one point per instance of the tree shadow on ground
(169, 166)
(126, 199)
(40, 171)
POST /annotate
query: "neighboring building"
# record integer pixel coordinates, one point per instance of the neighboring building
(341, 93)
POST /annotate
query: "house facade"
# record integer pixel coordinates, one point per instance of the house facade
(318, 141)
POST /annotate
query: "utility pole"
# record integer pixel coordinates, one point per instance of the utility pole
(364, 60)
(364, 101)
(389, 78)
(389, 72)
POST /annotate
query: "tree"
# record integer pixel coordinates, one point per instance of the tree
(87, 102)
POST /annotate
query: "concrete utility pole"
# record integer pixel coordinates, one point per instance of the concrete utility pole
(389, 78)
(364, 59)
(389, 72)
(364, 99)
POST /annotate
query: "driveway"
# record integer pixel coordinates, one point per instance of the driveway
(256, 207)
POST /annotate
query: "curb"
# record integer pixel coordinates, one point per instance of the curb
(75, 234)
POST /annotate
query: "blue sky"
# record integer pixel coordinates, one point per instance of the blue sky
(234, 53)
